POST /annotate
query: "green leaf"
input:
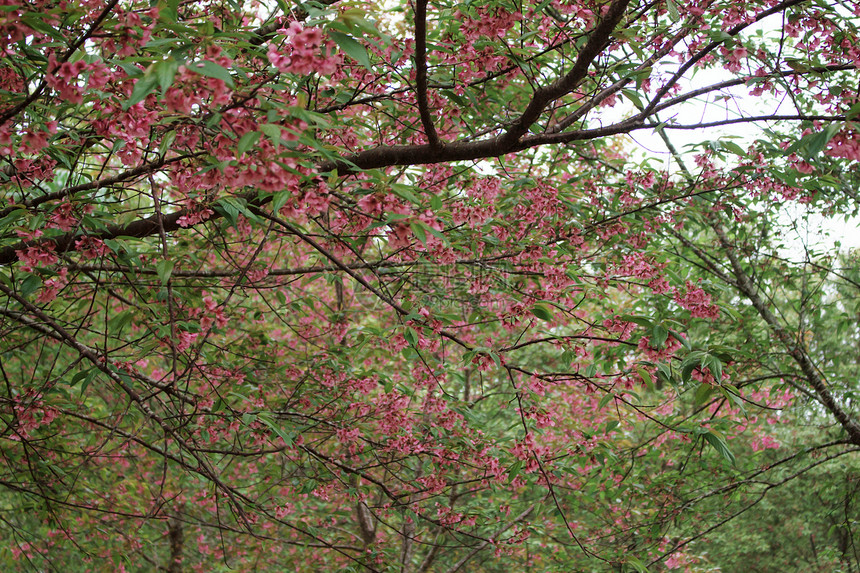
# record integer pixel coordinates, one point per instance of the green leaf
(718, 442)
(814, 143)
(733, 147)
(242, 206)
(283, 434)
(164, 269)
(605, 400)
(664, 371)
(436, 233)
(231, 207)
(418, 230)
(405, 192)
(640, 320)
(308, 486)
(12, 217)
(731, 393)
(672, 8)
(853, 112)
(249, 140)
(690, 363)
(515, 470)
(169, 11)
(79, 376)
(713, 364)
(659, 334)
(119, 321)
(38, 22)
(165, 71)
(273, 132)
(30, 285)
(212, 70)
(684, 342)
(227, 210)
(280, 199)
(732, 312)
(703, 393)
(142, 88)
(351, 48)
(166, 142)
(542, 312)
(635, 563)
(633, 97)
(89, 378)
(646, 377)
(411, 336)
(391, 217)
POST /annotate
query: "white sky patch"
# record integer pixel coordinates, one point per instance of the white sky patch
(806, 233)
(809, 235)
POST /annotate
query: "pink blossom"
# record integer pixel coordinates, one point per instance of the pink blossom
(91, 247)
(186, 339)
(63, 217)
(697, 301)
(41, 255)
(52, 286)
(64, 78)
(301, 53)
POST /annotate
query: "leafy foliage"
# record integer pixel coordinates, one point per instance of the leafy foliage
(347, 286)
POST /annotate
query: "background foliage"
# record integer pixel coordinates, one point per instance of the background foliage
(349, 286)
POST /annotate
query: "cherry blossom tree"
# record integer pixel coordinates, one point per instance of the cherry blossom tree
(390, 287)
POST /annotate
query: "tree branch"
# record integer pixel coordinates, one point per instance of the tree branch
(421, 73)
(794, 348)
(597, 41)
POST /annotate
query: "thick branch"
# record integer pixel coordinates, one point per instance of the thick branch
(371, 159)
(421, 72)
(756, 118)
(176, 537)
(744, 80)
(65, 243)
(794, 348)
(597, 41)
(593, 102)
